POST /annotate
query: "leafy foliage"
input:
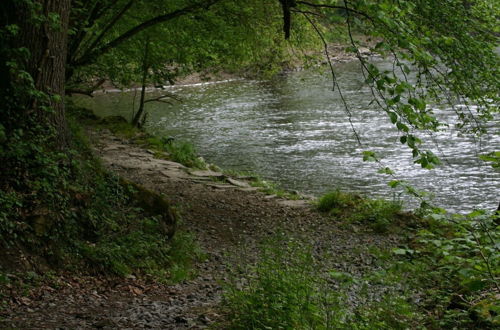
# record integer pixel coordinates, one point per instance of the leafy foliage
(83, 216)
(446, 47)
(234, 36)
(289, 289)
(464, 251)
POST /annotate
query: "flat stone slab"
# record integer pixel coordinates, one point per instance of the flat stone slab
(295, 203)
(113, 147)
(207, 173)
(220, 186)
(201, 179)
(174, 174)
(249, 189)
(169, 163)
(237, 183)
(139, 154)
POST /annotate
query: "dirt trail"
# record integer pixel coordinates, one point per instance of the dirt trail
(228, 220)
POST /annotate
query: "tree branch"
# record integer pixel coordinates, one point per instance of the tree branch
(88, 91)
(92, 55)
(320, 5)
(110, 25)
(71, 91)
(94, 10)
(160, 98)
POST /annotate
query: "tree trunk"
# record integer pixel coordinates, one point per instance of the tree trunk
(47, 44)
(145, 67)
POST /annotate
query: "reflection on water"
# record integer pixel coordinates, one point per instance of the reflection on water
(294, 130)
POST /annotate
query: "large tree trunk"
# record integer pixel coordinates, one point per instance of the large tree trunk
(47, 44)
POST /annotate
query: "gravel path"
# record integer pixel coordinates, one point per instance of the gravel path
(228, 219)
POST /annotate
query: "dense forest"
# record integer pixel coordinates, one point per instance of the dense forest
(67, 217)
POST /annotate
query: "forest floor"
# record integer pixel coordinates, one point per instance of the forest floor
(229, 221)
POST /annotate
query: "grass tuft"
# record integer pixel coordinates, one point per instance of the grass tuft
(380, 215)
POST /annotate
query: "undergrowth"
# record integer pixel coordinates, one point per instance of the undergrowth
(290, 288)
(445, 277)
(68, 210)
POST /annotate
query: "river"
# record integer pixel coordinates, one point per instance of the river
(295, 131)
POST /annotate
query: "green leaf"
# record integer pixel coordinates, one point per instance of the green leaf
(400, 252)
(3, 136)
(369, 156)
(419, 104)
(474, 285)
(394, 183)
(493, 157)
(393, 116)
(351, 49)
(386, 170)
(402, 127)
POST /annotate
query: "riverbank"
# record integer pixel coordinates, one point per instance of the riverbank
(337, 53)
(263, 259)
(229, 222)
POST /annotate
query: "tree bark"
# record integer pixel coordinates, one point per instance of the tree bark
(47, 45)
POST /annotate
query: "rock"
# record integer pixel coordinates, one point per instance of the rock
(364, 51)
(180, 319)
(249, 189)
(174, 174)
(237, 183)
(169, 163)
(294, 203)
(153, 204)
(138, 154)
(112, 147)
(208, 173)
(201, 179)
(105, 323)
(220, 186)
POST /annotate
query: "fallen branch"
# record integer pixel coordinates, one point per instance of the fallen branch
(88, 91)
(160, 98)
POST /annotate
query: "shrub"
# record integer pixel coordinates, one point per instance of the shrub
(280, 292)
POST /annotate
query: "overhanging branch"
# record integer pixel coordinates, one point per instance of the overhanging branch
(320, 5)
(93, 55)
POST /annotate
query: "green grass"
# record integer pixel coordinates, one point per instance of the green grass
(380, 215)
(184, 152)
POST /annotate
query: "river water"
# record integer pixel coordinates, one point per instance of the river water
(295, 131)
